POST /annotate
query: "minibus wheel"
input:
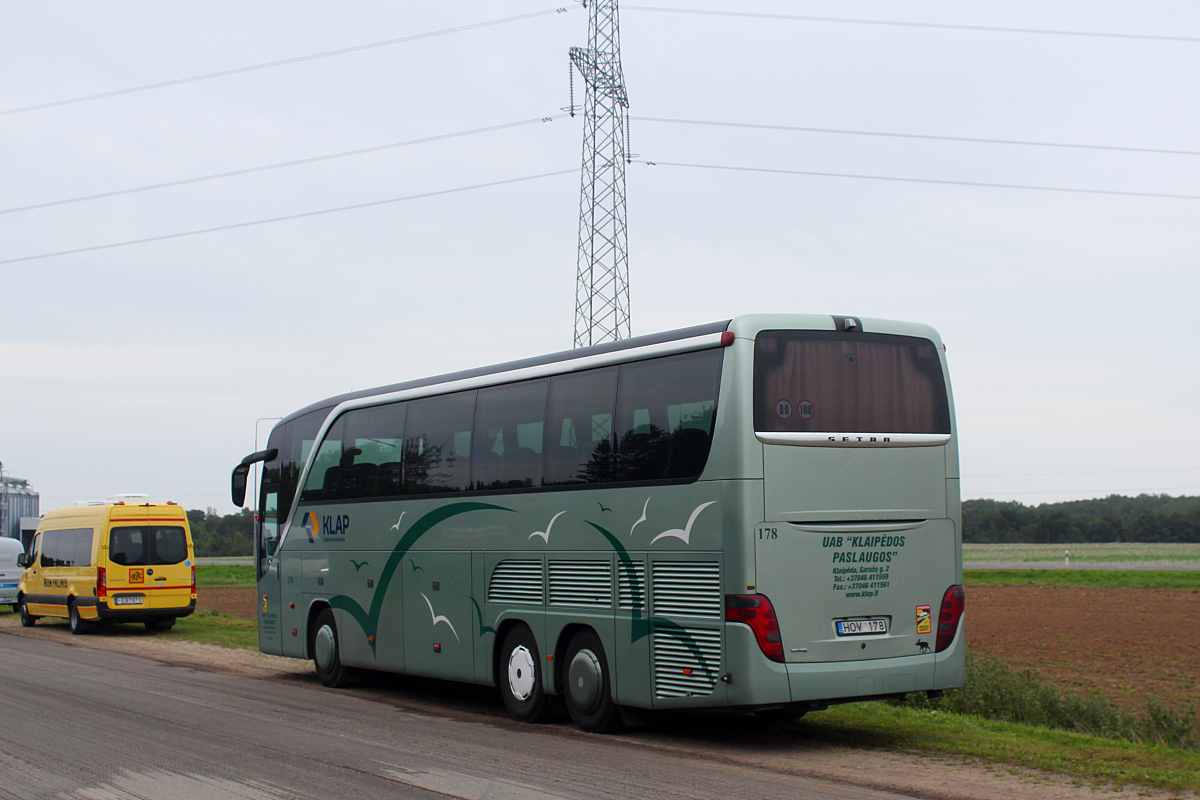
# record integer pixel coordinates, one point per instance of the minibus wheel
(78, 624)
(27, 619)
(160, 625)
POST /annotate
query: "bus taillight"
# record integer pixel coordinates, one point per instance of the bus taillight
(756, 611)
(101, 583)
(953, 603)
(193, 580)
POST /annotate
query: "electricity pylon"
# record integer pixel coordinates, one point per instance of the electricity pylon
(602, 269)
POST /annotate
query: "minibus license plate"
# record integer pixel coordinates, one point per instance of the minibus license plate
(128, 600)
(858, 627)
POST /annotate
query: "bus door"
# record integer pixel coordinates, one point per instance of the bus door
(266, 540)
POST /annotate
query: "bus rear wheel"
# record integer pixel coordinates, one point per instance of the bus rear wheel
(587, 685)
(326, 651)
(520, 676)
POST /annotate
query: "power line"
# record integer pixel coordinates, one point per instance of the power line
(897, 179)
(301, 215)
(283, 62)
(281, 165)
(931, 137)
(934, 25)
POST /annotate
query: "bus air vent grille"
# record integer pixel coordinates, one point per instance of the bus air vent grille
(686, 661)
(516, 581)
(581, 583)
(687, 589)
(631, 586)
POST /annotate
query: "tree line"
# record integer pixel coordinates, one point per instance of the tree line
(216, 534)
(1116, 518)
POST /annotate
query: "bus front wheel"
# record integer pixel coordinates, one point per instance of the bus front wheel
(520, 676)
(326, 651)
(588, 686)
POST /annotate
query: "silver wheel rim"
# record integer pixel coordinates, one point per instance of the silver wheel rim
(585, 679)
(522, 673)
(324, 647)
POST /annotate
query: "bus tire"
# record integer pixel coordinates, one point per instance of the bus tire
(77, 624)
(520, 676)
(327, 653)
(27, 620)
(588, 685)
(160, 625)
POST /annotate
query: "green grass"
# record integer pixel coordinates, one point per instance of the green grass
(212, 628)
(934, 732)
(1106, 578)
(1097, 553)
(234, 575)
(996, 691)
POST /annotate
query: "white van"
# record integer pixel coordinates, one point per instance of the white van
(10, 573)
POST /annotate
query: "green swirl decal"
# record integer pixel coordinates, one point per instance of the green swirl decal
(641, 626)
(368, 619)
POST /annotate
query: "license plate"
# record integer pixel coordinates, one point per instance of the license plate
(128, 600)
(859, 627)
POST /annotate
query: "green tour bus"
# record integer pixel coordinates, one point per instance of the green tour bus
(758, 515)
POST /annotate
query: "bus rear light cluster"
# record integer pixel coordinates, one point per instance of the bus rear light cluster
(756, 611)
(193, 579)
(101, 583)
(953, 603)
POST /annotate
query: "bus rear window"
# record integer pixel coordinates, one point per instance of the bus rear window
(147, 545)
(823, 381)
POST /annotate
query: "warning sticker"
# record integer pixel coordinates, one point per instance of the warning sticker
(924, 620)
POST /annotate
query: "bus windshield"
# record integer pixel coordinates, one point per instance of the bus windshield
(818, 381)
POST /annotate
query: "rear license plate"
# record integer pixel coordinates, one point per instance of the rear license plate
(128, 600)
(860, 627)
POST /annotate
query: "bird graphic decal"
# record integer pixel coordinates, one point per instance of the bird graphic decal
(642, 518)
(603, 507)
(396, 527)
(684, 533)
(546, 533)
(415, 567)
(358, 564)
(438, 617)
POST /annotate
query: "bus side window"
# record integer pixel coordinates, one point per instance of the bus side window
(665, 411)
(509, 423)
(325, 475)
(269, 522)
(437, 444)
(579, 446)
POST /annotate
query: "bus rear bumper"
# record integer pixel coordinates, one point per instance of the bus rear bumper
(754, 681)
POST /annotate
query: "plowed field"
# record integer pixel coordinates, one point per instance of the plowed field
(1131, 645)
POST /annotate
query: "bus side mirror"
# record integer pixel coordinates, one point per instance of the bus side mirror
(22, 560)
(238, 487)
(238, 481)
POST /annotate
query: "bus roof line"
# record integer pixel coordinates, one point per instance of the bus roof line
(521, 364)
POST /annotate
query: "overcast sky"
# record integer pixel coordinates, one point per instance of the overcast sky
(1070, 317)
